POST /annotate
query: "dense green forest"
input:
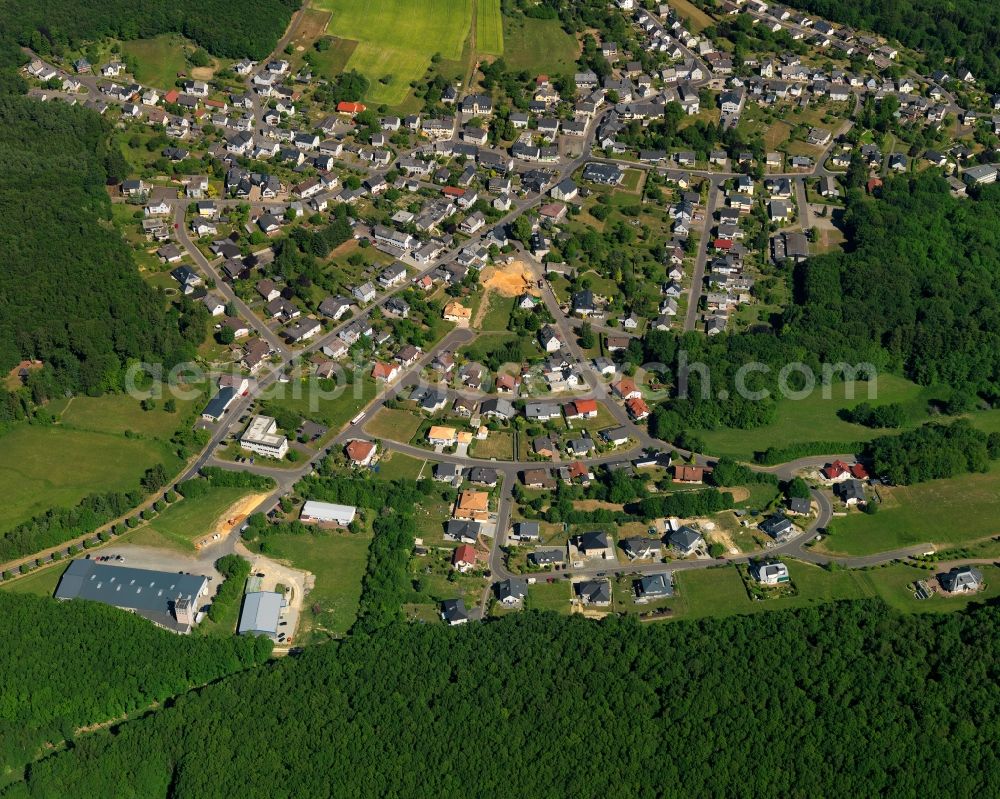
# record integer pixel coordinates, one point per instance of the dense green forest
(916, 293)
(932, 452)
(70, 664)
(846, 699)
(72, 296)
(233, 30)
(943, 30)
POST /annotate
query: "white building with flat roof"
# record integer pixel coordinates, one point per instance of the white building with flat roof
(261, 437)
(313, 511)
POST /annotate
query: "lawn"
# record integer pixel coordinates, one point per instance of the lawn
(41, 583)
(188, 521)
(158, 60)
(497, 316)
(815, 419)
(396, 425)
(499, 445)
(399, 466)
(950, 512)
(489, 27)
(539, 46)
(712, 592)
(47, 467)
(555, 596)
(396, 41)
(338, 561)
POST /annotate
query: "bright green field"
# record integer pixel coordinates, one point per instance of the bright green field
(41, 583)
(397, 40)
(815, 419)
(400, 466)
(550, 596)
(187, 521)
(489, 27)
(945, 512)
(720, 591)
(158, 60)
(86, 452)
(47, 467)
(338, 560)
(538, 46)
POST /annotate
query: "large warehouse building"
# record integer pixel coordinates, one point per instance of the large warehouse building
(261, 613)
(327, 512)
(167, 599)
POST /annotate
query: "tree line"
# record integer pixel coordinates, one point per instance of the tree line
(51, 27)
(833, 700)
(933, 451)
(69, 664)
(73, 296)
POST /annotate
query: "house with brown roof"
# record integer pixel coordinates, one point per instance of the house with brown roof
(688, 474)
(360, 453)
(472, 506)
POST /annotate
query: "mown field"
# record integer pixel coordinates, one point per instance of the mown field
(396, 41)
(158, 60)
(88, 451)
(186, 522)
(815, 418)
(950, 512)
(539, 46)
(338, 561)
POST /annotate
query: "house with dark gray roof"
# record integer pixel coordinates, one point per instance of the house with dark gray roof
(685, 540)
(512, 590)
(547, 557)
(594, 592)
(453, 611)
(779, 527)
(653, 586)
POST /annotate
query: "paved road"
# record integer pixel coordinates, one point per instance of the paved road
(698, 275)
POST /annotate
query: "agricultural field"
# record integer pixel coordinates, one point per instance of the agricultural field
(489, 27)
(338, 560)
(188, 521)
(52, 466)
(815, 419)
(539, 46)
(395, 42)
(951, 512)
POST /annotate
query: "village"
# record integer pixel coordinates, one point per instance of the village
(490, 266)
